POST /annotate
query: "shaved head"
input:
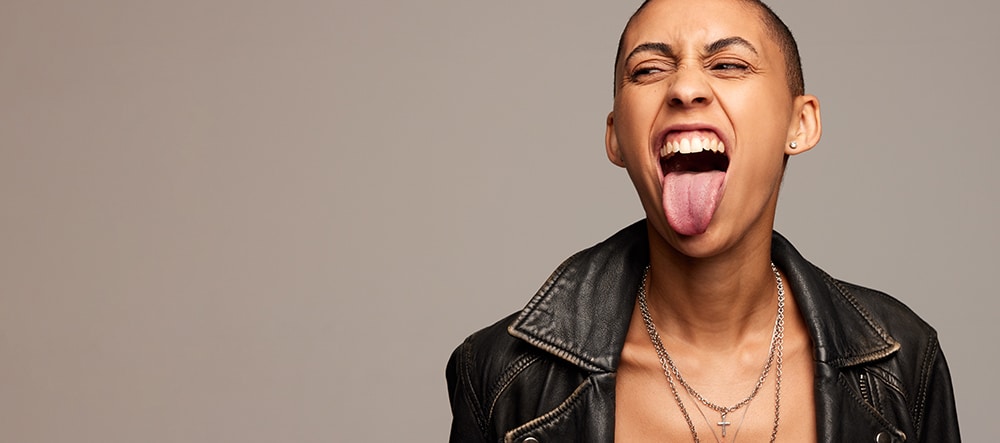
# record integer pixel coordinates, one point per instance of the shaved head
(776, 29)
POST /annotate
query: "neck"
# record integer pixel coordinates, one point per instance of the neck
(715, 303)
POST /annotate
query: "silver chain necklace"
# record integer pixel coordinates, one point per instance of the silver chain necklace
(670, 369)
(739, 425)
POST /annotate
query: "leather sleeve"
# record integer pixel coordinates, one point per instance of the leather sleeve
(467, 421)
(939, 418)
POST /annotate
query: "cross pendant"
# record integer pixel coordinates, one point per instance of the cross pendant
(723, 423)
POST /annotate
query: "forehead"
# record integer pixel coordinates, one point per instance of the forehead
(683, 23)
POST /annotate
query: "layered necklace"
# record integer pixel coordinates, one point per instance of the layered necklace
(672, 373)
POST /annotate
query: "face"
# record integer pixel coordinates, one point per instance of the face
(702, 120)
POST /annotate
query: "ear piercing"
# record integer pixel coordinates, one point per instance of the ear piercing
(793, 145)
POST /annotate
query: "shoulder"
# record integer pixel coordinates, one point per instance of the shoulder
(912, 343)
(533, 363)
(885, 356)
(917, 348)
(896, 318)
(916, 374)
(490, 360)
(494, 382)
(850, 323)
(488, 354)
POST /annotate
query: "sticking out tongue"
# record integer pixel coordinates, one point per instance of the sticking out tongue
(691, 198)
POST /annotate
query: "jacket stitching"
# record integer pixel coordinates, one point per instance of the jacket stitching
(562, 352)
(877, 391)
(891, 344)
(854, 303)
(506, 379)
(470, 391)
(517, 330)
(853, 299)
(871, 410)
(547, 286)
(891, 381)
(551, 415)
(925, 375)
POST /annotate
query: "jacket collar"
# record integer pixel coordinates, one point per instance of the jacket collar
(581, 314)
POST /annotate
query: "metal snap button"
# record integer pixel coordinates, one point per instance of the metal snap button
(883, 437)
(530, 440)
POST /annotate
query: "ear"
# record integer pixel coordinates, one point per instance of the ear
(611, 142)
(806, 126)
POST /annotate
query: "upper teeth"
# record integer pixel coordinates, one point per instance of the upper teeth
(691, 145)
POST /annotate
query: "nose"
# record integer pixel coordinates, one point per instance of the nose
(690, 88)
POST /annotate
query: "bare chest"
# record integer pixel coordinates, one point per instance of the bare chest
(647, 410)
(715, 400)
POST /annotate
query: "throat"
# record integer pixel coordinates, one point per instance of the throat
(677, 382)
(713, 306)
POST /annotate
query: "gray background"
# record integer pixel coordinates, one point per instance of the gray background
(250, 221)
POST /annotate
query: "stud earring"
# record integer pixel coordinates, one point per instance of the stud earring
(793, 145)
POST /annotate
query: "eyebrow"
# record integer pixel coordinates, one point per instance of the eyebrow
(660, 48)
(711, 48)
(724, 43)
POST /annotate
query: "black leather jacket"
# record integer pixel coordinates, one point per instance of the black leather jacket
(547, 374)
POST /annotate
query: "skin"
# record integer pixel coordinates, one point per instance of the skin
(712, 295)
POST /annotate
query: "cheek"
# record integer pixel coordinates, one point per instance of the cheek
(760, 125)
(635, 115)
(759, 121)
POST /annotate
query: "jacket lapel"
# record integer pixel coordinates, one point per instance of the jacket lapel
(577, 416)
(844, 335)
(581, 315)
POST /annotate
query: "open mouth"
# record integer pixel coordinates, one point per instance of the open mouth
(694, 165)
(693, 151)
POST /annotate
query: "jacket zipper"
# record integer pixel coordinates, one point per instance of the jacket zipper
(863, 384)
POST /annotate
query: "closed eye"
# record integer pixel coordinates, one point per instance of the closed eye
(646, 71)
(729, 67)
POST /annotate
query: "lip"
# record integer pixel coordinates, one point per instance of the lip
(661, 137)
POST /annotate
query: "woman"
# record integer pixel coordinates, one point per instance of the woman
(700, 323)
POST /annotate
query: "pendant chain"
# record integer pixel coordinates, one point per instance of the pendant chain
(670, 369)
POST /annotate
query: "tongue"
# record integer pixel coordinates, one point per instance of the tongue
(690, 199)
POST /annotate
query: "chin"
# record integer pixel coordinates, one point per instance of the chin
(704, 245)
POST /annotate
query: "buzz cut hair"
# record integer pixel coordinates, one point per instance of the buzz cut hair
(776, 28)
